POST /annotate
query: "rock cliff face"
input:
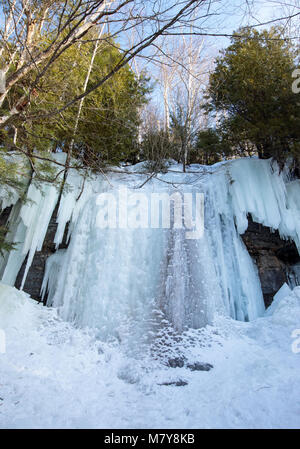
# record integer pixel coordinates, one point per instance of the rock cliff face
(273, 256)
(4, 216)
(35, 275)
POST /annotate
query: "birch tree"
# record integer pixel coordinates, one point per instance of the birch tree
(188, 82)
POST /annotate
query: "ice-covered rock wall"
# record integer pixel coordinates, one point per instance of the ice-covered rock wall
(128, 279)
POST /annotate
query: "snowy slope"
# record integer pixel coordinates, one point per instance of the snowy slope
(54, 375)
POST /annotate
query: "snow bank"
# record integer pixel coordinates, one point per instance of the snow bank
(283, 292)
(286, 308)
(56, 376)
(15, 309)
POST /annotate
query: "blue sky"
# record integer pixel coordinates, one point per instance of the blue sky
(234, 13)
(228, 17)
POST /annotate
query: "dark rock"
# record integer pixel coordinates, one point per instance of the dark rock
(177, 383)
(4, 214)
(199, 366)
(288, 253)
(35, 275)
(177, 362)
(272, 255)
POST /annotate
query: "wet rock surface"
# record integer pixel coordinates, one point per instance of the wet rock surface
(199, 366)
(180, 362)
(177, 362)
(177, 383)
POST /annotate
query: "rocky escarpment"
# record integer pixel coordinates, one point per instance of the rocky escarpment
(273, 256)
(35, 275)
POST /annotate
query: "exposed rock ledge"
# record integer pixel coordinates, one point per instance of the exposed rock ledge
(274, 257)
(35, 275)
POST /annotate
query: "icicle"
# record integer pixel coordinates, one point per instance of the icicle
(108, 278)
(258, 189)
(30, 227)
(54, 265)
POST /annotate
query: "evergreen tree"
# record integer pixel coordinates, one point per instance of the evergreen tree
(156, 148)
(12, 182)
(108, 122)
(209, 148)
(252, 86)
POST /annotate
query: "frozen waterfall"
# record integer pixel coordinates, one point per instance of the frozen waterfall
(137, 273)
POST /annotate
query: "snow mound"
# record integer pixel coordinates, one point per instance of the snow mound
(56, 376)
(286, 310)
(15, 309)
(281, 294)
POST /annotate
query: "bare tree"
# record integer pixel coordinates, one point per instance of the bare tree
(166, 77)
(35, 34)
(186, 98)
(155, 144)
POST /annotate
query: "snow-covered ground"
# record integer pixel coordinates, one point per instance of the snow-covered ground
(53, 375)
